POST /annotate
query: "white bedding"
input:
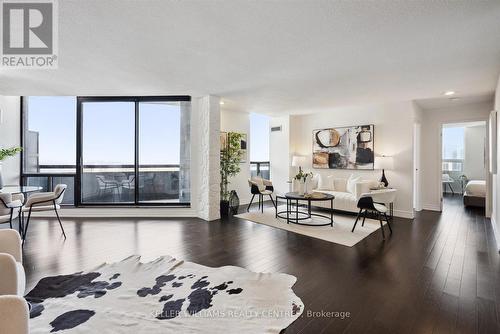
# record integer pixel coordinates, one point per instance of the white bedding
(476, 188)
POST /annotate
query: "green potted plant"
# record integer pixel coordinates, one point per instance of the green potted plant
(230, 158)
(4, 154)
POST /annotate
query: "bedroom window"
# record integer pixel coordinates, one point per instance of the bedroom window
(453, 148)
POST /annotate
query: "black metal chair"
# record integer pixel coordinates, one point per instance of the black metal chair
(262, 188)
(367, 204)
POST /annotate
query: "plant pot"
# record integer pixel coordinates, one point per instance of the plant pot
(301, 187)
(224, 209)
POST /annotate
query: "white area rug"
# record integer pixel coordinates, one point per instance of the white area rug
(164, 296)
(340, 233)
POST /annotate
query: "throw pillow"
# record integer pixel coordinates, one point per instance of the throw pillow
(351, 183)
(322, 183)
(314, 182)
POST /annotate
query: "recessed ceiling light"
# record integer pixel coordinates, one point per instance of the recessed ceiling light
(221, 103)
(449, 93)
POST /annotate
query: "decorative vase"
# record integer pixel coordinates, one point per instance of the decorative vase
(301, 187)
(1, 179)
(234, 202)
(224, 209)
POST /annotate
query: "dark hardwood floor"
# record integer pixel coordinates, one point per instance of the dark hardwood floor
(437, 274)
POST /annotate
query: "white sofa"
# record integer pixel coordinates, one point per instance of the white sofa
(346, 191)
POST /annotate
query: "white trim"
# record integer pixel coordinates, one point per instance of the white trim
(119, 212)
(404, 214)
(432, 207)
(495, 232)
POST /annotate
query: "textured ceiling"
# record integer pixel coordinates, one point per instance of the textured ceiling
(273, 56)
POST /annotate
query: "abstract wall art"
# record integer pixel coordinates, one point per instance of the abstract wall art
(344, 148)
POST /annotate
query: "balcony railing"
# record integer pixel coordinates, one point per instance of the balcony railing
(108, 184)
(260, 168)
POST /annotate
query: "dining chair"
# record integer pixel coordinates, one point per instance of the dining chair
(106, 185)
(10, 208)
(376, 203)
(46, 201)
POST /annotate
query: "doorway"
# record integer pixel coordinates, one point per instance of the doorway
(464, 165)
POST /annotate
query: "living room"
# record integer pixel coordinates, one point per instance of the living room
(272, 167)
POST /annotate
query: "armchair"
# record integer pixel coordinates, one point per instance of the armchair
(14, 315)
(261, 187)
(13, 308)
(47, 201)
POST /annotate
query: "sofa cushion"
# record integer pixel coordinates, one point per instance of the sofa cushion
(339, 184)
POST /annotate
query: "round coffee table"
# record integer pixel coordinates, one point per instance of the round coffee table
(301, 216)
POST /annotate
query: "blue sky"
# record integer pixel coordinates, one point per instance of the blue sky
(453, 142)
(259, 137)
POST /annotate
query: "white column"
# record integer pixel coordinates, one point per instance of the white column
(206, 159)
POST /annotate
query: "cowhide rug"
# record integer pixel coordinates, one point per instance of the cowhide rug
(164, 296)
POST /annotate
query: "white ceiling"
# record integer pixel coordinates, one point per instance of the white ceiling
(455, 100)
(274, 56)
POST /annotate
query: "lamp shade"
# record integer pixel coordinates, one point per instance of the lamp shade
(298, 161)
(384, 162)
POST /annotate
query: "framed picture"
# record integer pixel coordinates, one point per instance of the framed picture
(243, 146)
(344, 148)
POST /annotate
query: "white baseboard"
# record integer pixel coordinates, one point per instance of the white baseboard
(120, 212)
(495, 232)
(431, 207)
(404, 214)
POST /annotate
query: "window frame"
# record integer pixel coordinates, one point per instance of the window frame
(78, 158)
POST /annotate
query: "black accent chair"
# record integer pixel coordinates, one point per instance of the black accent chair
(367, 204)
(262, 188)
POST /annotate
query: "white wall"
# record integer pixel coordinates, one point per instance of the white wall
(393, 137)
(475, 154)
(10, 136)
(206, 158)
(235, 121)
(495, 216)
(280, 151)
(432, 122)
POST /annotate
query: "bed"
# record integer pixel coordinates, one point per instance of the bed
(475, 193)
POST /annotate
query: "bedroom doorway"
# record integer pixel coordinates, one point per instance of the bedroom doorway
(464, 165)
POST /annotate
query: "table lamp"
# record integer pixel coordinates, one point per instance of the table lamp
(298, 161)
(384, 163)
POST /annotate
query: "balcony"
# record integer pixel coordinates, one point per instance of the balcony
(260, 168)
(114, 184)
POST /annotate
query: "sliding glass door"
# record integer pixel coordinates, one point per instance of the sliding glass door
(107, 152)
(133, 151)
(159, 168)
